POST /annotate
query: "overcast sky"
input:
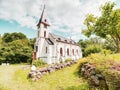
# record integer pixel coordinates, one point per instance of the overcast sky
(66, 17)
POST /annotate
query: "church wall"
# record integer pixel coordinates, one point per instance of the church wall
(64, 46)
(42, 50)
(43, 30)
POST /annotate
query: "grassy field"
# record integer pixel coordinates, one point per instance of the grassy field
(14, 77)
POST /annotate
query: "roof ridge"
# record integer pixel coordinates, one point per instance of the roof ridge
(62, 37)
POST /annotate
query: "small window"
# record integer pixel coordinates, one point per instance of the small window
(65, 40)
(68, 52)
(36, 48)
(73, 51)
(44, 34)
(61, 52)
(59, 39)
(45, 20)
(46, 49)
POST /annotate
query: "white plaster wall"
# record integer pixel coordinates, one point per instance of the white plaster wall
(42, 29)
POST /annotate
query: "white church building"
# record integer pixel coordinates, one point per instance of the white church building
(53, 48)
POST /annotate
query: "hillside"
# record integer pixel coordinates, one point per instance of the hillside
(15, 78)
(102, 71)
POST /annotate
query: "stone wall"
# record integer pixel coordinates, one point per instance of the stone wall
(35, 75)
(94, 79)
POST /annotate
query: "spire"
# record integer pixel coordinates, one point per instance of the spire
(38, 25)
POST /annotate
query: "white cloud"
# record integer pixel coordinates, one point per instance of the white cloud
(65, 16)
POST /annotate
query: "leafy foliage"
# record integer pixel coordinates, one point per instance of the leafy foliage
(15, 50)
(68, 59)
(92, 49)
(105, 26)
(9, 37)
(39, 63)
(91, 45)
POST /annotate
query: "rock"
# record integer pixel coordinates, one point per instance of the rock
(95, 80)
(33, 68)
(38, 76)
(34, 79)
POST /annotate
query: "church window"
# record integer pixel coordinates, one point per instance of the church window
(61, 52)
(68, 52)
(65, 40)
(73, 51)
(36, 48)
(45, 34)
(46, 49)
(59, 39)
(45, 20)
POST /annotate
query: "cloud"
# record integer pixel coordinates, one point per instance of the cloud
(66, 16)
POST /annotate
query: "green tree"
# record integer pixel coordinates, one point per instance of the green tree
(32, 42)
(22, 52)
(16, 48)
(105, 26)
(9, 37)
(91, 45)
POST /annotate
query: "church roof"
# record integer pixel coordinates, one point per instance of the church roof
(63, 39)
(49, 41)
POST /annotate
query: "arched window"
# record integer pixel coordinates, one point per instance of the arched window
(73, 51)
(44, 34)
(46, 49)
(68, 52)
(61, 52)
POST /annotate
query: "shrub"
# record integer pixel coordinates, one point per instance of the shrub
(68, 59)
(39, 63)
(92, 49)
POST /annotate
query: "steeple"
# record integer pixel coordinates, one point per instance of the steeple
(42, 20)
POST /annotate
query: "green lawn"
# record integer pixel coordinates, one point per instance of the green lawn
(13, 77)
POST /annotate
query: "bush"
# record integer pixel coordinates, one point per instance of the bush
(39, 63)
(68, 60)
(92, 49)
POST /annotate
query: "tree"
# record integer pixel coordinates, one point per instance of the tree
(16, 48)
(16, 52)
(105, 26)
(91, 45)
(9, 37)
(32, 42)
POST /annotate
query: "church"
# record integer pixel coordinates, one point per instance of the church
(53, 48)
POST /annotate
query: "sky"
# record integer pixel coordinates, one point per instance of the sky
(66, 17)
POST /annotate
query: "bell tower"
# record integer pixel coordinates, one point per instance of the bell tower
(43, 26)
(42, 34)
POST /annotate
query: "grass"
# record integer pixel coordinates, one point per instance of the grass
(107, 65)
(13, 77)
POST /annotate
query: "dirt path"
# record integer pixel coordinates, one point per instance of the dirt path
(7, 73)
